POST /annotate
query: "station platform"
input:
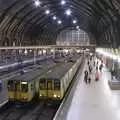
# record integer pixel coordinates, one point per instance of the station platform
(95, 101)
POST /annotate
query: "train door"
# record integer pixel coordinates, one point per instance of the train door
(49, 88)
(42, 88)
(17, 90)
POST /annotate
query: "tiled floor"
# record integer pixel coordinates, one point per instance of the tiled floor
(93, 102)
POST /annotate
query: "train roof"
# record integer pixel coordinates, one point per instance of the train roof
(59, 72)
(56, 72)
(28, 76)
(33, 73)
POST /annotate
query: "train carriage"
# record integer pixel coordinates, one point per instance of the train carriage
(54, 84)
(50, 81)
(24, 87)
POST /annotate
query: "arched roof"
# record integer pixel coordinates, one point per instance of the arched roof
(22, 21)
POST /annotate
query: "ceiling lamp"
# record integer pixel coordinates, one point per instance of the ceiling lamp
(59, 22)
(37, 3)
(47, 12)
(77, 27)
(54, 17)
(68, 12)
(63, 2)
(74, 21)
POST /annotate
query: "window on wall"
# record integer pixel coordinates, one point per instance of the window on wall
(73, 37)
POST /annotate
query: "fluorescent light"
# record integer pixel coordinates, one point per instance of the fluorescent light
(68, 12)
(63, 2)
(108, 54)
(47, 12)
(54, 17)
(24, 82)
(37, 3)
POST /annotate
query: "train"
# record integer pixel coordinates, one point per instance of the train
(47, 82)
(54, 84)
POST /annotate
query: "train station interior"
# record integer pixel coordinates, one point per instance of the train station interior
(59, 60)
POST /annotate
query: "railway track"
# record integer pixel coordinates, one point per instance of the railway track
(11, 112)
(39, 111)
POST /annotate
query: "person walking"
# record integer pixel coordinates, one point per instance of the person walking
(97, 74)
(100, 67)
(90, 68)
(88, 63)
(86, 76)
(89, 79)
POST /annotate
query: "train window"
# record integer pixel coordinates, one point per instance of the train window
(49, 85)
(10, 86)
(56, 85)
(42, 84)
(24, 87)
(17, 86)
(32, 87)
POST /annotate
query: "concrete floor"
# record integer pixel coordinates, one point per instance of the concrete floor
(92, 102)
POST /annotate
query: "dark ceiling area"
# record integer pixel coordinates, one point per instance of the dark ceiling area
(24, 22)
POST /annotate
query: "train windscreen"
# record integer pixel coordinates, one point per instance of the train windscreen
(24, 87)
(56, 84)
(42, 84)
(11, 85)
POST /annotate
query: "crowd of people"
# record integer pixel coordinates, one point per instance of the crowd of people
(93, 68)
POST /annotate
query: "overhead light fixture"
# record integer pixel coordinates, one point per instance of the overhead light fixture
(74, 21)
(37, 3)
(59, 22)
(24, 83)
(63, 2)
(47, 12)
(77, 27)
(54, 17)
(68, 12)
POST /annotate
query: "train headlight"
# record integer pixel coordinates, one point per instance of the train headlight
(54, 95)
(24, 98)
(40, 95)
